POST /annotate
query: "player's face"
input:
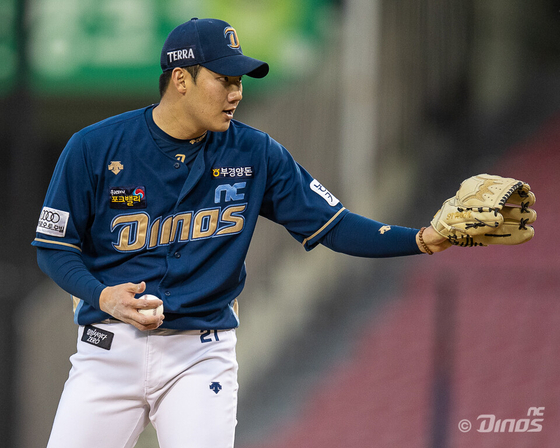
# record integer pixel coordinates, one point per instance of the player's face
(212, 100)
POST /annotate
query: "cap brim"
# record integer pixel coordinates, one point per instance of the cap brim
(238, 65)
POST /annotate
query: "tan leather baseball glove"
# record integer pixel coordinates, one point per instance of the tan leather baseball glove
(488, 209)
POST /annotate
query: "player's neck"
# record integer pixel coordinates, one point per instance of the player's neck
(170, 122)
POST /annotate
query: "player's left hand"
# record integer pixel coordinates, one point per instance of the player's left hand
(432, 239)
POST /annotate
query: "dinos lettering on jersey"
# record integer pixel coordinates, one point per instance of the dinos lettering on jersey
(137, 231)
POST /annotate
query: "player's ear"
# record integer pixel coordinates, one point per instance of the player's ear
(179, 79)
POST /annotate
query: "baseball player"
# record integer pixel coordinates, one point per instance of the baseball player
(164, 201)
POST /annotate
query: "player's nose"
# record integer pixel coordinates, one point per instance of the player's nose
(235, 95)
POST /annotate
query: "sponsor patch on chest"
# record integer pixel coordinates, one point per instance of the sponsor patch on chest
(126, 198)
(230, 172)
(98, 337)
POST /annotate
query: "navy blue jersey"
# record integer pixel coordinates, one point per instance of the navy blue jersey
(137, 213)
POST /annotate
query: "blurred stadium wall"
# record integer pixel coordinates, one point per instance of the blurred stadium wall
(390, 103)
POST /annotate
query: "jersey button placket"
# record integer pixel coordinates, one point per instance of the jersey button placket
(177, 165)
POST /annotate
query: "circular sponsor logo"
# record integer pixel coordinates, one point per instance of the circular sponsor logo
(50, 216)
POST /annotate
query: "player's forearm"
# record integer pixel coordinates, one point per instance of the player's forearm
(363, 237)
(67, 270)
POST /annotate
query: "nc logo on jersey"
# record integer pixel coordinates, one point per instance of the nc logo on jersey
(231, 192)
(316, 186)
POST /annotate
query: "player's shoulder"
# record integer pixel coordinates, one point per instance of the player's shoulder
(121, 120)
(126, 126)
(242, 130)
(244, 137)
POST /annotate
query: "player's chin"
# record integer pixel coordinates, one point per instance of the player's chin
(222, 127)
(227, 116)
(221, 123)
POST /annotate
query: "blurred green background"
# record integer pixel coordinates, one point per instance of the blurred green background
(112, 45)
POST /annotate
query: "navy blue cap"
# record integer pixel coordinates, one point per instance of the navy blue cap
(211, 43)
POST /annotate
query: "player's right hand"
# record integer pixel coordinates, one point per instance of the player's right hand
(119, 302)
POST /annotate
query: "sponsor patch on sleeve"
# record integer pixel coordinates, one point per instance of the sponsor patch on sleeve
(125, 198)
(316, 186)
(53, 222)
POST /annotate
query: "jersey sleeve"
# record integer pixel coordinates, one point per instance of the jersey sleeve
(363, 237)
(64, 217)
(67, 270)
(298, 201)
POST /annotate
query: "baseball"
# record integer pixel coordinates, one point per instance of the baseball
(151, 311)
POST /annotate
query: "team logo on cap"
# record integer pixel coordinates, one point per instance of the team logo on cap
(230, 33)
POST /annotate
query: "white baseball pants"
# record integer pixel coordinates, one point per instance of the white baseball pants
(184, 382)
